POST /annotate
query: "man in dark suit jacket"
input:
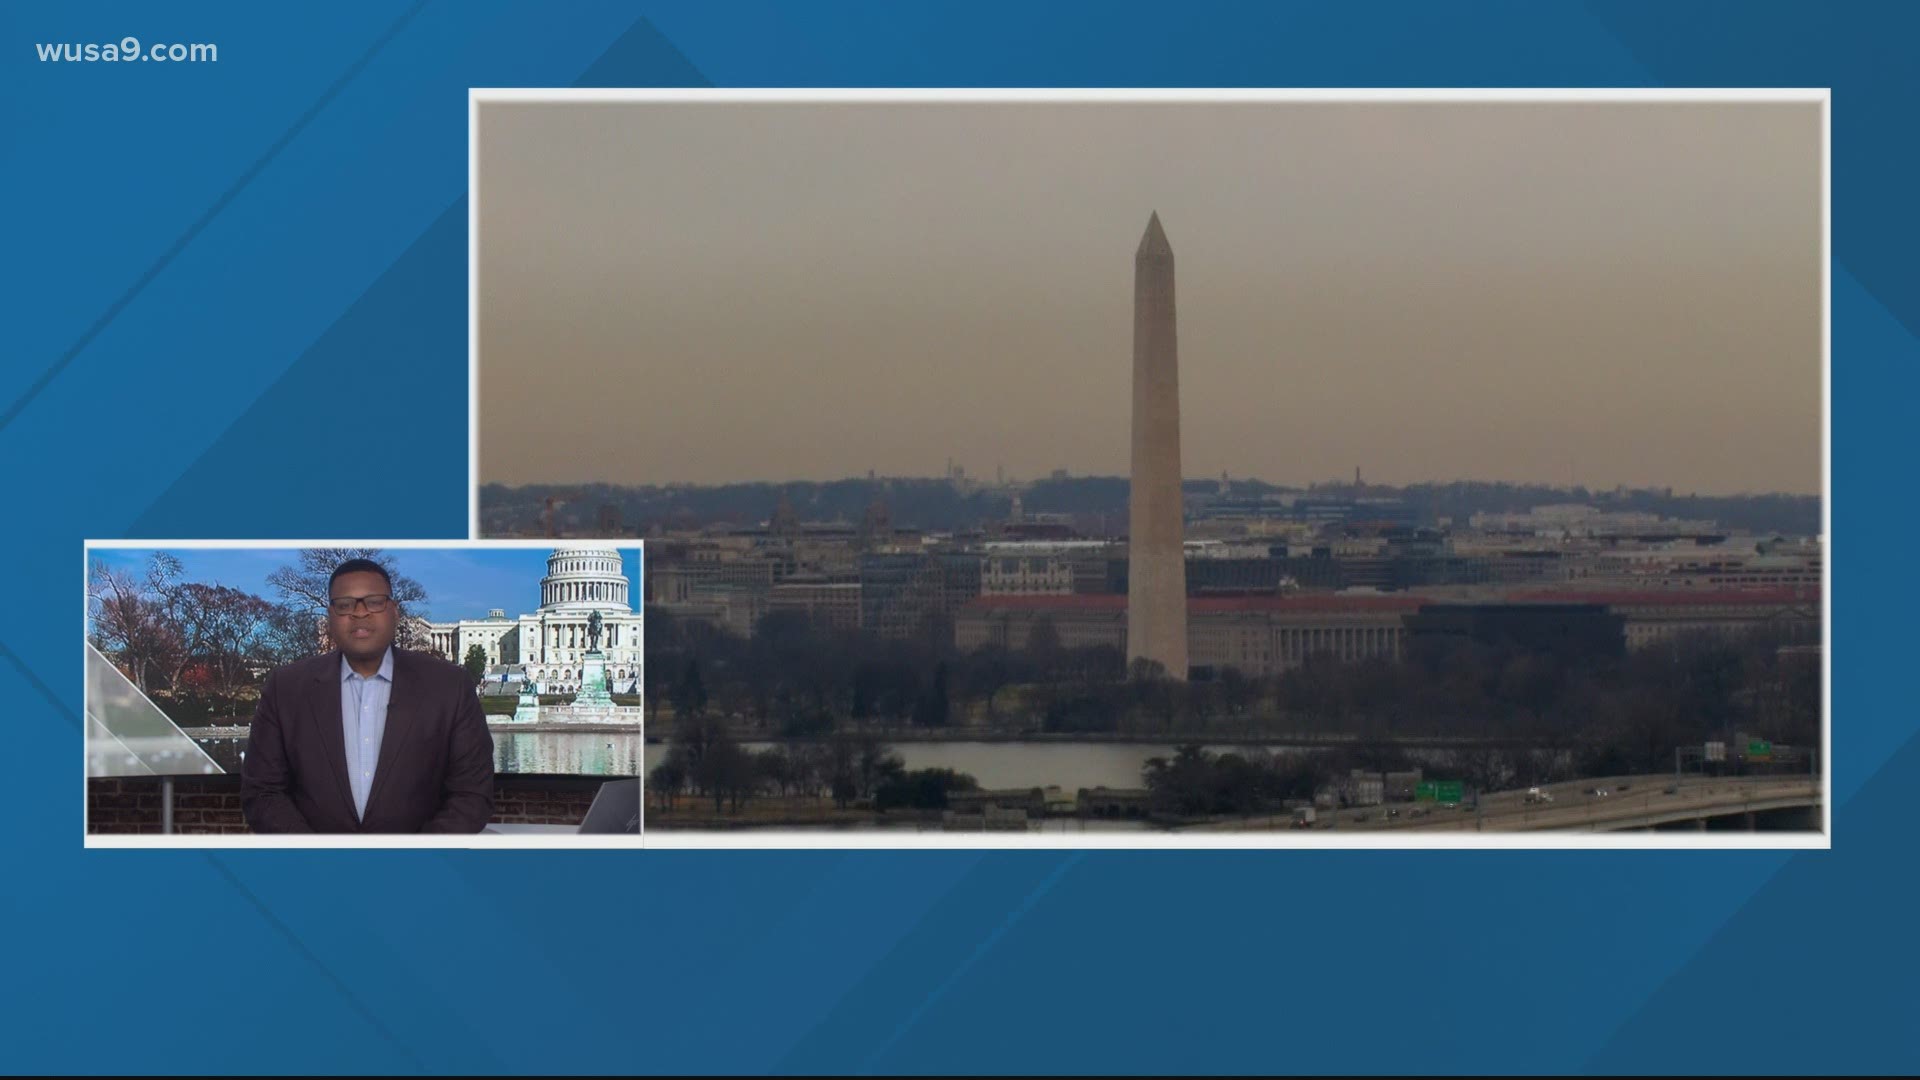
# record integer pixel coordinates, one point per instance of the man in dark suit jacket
(367, 738)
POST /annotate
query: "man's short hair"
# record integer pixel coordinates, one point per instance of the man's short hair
(359, 566)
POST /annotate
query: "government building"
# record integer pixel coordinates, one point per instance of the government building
(546, 646)
(1272, 634)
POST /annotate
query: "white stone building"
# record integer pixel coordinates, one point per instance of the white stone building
(548, 645)
(1043, 567)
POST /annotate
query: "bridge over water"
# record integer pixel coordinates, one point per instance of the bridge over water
(1645, 802)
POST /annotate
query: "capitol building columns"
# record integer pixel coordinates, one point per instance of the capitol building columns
(551, 643)
(581, 581)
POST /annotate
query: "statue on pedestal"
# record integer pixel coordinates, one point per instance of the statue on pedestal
(527, 708)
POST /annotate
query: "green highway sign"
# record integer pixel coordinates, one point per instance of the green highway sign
(1437, 791)
(1759, 750)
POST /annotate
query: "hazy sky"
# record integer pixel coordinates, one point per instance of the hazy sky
(1623, 293)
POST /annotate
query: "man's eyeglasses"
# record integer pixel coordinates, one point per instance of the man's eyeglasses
(345, 605)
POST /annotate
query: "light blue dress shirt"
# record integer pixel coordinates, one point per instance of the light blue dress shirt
(363, 717)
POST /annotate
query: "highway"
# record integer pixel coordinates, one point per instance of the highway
(1631, 802)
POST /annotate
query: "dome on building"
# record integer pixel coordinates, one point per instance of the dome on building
(584, 579)
(554, 647)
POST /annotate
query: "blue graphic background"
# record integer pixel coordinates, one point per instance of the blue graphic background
(209, 263)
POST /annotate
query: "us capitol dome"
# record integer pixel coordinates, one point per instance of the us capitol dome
(548, 644)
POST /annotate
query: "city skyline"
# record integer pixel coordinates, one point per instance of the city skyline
(1568, 293)
(970, 475)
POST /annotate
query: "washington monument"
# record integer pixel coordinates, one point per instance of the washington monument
(1156, 558)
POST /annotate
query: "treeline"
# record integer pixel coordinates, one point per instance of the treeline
(797, 678)
(934, 503)
(1198, 782)
(1787, 514)
(204, 646)
(168, 634)
(704, 760)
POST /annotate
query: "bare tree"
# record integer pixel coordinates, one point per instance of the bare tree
(304, 586)
(130, 625)
(292, 633)
(229, 628)
(167, 584)
(667, 778)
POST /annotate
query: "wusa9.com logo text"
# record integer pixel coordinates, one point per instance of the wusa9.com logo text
(127, 49)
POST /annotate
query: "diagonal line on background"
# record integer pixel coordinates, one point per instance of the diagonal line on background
(1721, 931)
(138, 525)
(612, 68)
(1657, 78)
(1904, 319)
(1693, 956)
(985, 946)
(785, 1062)
(608, 69)
(353, 1001)
(34, 681)
(226, 198)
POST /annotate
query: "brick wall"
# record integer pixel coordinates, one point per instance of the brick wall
(201, 804)
(211, 804)
(544, 800)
